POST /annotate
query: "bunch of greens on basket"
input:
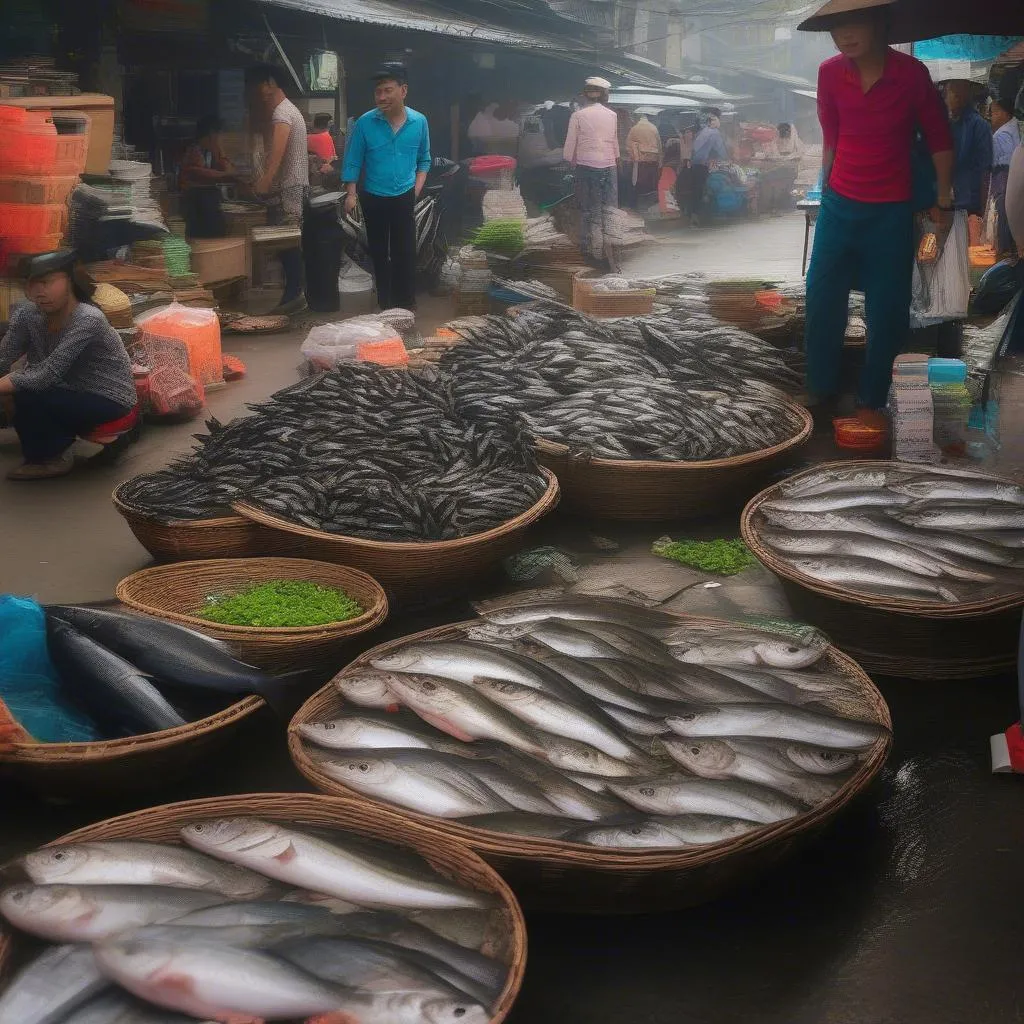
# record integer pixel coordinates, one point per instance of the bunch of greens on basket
(722, 557)
(282, 603)
(504, 235)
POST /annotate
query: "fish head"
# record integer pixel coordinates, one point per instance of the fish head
(366, 771)
(711, 759)
(226, 836)
(451, 1011)
(652, 795)
(690, 720)
(367, 689)
(339, 730)
(54, 863)
(405, 659)
(784, 653)
(819, 760)
(423, 686)
(638, 834)
(49, 904)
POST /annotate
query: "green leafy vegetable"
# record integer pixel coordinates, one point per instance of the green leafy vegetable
(282, 603)
(722, 557)
(504, 235)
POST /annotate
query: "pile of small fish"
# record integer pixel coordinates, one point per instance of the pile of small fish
(597, 721)
(249, 921)
(134, 674)
(657, 387)
(362, 451)
(920, 533)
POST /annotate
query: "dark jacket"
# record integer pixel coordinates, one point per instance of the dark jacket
(972, 141)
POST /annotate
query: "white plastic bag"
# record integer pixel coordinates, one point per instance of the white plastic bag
(327, 345)
(353, 279)
(942, 290)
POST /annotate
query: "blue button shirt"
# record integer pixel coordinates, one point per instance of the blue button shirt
(972, 140)
(388, 161)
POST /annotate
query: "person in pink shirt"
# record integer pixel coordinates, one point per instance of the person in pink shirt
(592, 147)
(872, 100)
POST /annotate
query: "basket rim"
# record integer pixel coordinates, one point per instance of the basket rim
(178, 524)
(547, 501)
(750, 533)
(371, 617)
(129, 746)
(561, 854)
(384, 825)
(554, 449)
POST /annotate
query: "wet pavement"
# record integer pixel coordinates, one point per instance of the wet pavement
(903, 911)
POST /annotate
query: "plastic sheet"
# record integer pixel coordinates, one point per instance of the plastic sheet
(29, 684)
(328, 345)
(197, 329)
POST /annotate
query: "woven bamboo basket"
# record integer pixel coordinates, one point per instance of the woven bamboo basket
(175, 592)
(73, 771)
(416, 569)
(557, 876)
(896, 636)
(653, 491)
(636, 302)
(505, 933)
(223, 537)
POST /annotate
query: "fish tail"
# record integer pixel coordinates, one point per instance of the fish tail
(520, 597)
(282, 693)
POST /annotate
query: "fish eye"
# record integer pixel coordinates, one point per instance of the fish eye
(429, 687)
(695, 750)
(688, 717)
(459, 1011)
(793, 650)
(330, 725)
(364, 767)
(198, 828)
(58, 856)
(635, 831)
(647, 791)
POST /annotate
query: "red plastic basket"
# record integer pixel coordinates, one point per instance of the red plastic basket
(37, 188)
(31, 219)
(33, 146)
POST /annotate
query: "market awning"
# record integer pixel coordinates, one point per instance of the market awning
(964, 70)
(810, 94)
(421, 18)
(661, 100)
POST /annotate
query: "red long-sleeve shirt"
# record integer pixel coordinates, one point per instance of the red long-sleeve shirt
(872, 133)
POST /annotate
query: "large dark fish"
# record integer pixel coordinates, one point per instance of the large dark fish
(111, 689)
(173, 654)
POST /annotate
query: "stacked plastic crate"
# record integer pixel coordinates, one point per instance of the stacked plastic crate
(41, 158)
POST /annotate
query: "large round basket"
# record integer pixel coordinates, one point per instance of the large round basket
(176, 591)
(553, 875)
(505, 932)
(654, 491)
(223, 537)
(896, 636)
(73, 771)
(416, 569)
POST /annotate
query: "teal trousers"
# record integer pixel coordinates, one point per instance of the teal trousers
(869, 246)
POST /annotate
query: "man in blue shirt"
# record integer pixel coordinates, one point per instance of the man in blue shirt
(386, 164)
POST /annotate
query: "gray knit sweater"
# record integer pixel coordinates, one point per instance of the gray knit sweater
(86, 355)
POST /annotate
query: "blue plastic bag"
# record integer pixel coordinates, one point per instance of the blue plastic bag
(29, 684)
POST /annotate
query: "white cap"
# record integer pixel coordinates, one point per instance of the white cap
(598, 83)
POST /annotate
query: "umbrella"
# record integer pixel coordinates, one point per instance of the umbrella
(914, 20)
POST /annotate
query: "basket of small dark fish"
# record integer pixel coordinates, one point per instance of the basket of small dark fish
(179, 592)
(149, 701)
(363, 466)
(645, 418)
(604, 757)
(265, 907)
(914, 570)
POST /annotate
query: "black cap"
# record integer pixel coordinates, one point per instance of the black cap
(391, 71)
(48, 262)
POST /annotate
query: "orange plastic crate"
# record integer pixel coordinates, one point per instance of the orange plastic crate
(13, 247)
(37, 188)
(385, 353)
(35, 148)
(31, 218)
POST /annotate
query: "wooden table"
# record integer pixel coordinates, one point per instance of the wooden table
(810, 209)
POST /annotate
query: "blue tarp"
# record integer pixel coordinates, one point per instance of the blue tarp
(972, 48)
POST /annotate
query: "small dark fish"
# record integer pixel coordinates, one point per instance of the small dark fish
(111, 689)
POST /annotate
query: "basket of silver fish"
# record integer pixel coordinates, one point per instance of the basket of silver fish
(914, 570)
(606, 758)
(137, 702)
(367, 467)
(261, 591)
(263, 907)
(649, 418)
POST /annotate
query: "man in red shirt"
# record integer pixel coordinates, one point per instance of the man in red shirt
(872, 102)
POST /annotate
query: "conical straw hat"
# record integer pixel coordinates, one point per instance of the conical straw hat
(823, 20)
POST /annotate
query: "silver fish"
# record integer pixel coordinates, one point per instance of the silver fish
(514, 611)
(961, 517)
(554, 716)
(544, 826)
(859, 573)
(49, 987)
(636, 723)
(461, 711)
(639, 832)
(128, 862)
(573, 756)
(835, 481)
(753, 648)
(595, 682)
(428, 784)
(338, 868)
(367, 689)
(683, 794)
(633, 644)
(117, 1007)
(363, 732)
(838, 502)
(751, 761)
(777, 721)
(89, 913)
(572, 641)
(964, 489)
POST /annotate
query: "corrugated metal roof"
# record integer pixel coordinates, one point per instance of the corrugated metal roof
(420, 18)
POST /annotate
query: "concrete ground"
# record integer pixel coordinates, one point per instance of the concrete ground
(903, 911)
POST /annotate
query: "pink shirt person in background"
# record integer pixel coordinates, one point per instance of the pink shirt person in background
(592, 147)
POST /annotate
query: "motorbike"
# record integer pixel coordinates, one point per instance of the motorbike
(438, 215)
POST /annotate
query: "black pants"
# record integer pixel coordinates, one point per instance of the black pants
(48, 421)
(391, 234)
